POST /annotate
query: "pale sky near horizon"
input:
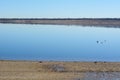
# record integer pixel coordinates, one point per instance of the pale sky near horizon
(59, 8)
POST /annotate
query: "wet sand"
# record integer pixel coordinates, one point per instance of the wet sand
(100, 22)
(51, 70)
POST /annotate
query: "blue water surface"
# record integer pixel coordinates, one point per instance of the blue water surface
(56, 42)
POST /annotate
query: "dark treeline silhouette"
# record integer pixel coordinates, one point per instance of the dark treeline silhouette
(103, 22)
(59, 18)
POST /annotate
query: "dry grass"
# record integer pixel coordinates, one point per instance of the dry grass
(38, 76)
(83, 66)
(28, 70)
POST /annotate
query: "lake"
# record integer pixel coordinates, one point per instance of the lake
(59, 42)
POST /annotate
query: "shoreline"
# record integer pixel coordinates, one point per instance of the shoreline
(103, 22)
(93, 66)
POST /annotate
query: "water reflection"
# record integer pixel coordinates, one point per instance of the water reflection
(102, 76)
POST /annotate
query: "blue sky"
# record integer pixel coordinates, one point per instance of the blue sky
(60, 8)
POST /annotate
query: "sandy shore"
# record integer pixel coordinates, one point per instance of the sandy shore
(43, 70)
(101, 22)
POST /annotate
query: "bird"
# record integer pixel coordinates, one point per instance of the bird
(101, 42)
(97, 41)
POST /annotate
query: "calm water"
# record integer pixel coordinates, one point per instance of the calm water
(54, 42)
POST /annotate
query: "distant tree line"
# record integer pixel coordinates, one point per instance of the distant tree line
(59, 18)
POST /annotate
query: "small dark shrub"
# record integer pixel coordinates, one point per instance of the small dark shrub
(40, 61)
(95, 62)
